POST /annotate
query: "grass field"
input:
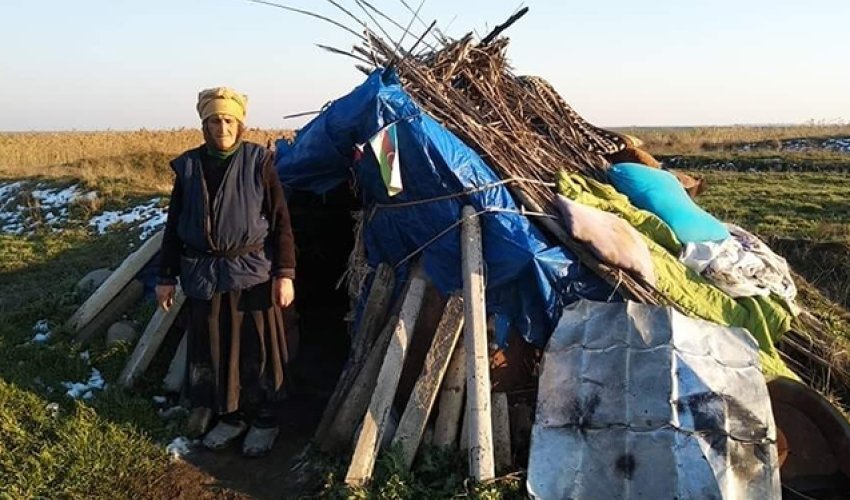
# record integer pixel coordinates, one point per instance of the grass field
(112, 446)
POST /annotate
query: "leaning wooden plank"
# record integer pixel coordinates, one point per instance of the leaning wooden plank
(450, 406)
(115, 282)
(375, 421)
(373, 315)
(374, 311)
(478, 360)
(501, 432)
(341, 433)
(113, 311)
(418, 409)
(150, 340)
(173, 380)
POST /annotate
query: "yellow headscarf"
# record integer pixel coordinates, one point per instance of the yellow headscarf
(222, 101)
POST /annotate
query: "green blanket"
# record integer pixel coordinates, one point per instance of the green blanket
(766, 318)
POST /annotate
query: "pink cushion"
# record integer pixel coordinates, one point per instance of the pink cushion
(613, 240)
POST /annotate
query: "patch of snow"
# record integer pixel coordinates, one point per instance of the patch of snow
(149, 214)
(153, 224)
(834, 144)
(42, 332)
(84, 390)
(55, 198)
(51, 207)
(7, 190)
(10, 216)
(180, 447)
(52, 409)
(160, 400)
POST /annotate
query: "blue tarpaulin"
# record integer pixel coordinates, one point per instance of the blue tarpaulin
(528, 280)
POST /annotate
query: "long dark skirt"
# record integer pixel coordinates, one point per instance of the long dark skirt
(237, 351)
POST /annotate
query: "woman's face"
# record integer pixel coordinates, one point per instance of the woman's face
(223, 130)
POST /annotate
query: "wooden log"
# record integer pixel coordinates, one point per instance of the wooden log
(501, 432)
(373, 316)
(450, 406)
(121, 303)
(421, 401)
(115, 283)
(522, 420)
(374, 311)
(433, 306)
(150, 340)
(375, 420)
(173, 380)
(478, 360)
(350, 414)
(428, 436)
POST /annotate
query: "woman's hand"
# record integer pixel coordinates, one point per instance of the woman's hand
(165, 296)
(284, 292)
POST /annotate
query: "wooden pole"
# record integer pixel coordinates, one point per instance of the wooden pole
(150, 340)
(373, 315)
(115, 283)
(418, 409)
(341, 433)
(375, 421)
(501, 432)
(450, 406)
(173, 380)
(477, 358)
(123, 301)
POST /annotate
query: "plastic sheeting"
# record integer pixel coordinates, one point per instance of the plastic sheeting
(639, 401)
(528, 280)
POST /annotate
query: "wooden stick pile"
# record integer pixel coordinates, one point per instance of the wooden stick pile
(519, 126)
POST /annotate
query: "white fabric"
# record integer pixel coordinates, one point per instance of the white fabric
(741, 266)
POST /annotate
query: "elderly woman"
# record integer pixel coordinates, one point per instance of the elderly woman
(229, 240)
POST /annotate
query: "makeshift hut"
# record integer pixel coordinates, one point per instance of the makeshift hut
(431, 141)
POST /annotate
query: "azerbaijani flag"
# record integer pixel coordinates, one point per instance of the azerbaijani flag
(385, 146)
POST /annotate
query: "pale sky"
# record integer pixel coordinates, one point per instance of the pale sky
(129, 64)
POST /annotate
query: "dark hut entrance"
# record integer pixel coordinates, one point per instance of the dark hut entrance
(324, 236)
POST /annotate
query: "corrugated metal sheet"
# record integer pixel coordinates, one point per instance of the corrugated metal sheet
(639, 401)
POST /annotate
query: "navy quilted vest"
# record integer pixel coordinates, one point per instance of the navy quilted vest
(234, 254)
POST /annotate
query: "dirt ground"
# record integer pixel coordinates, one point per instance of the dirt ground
(271, 476)
(227, 474)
